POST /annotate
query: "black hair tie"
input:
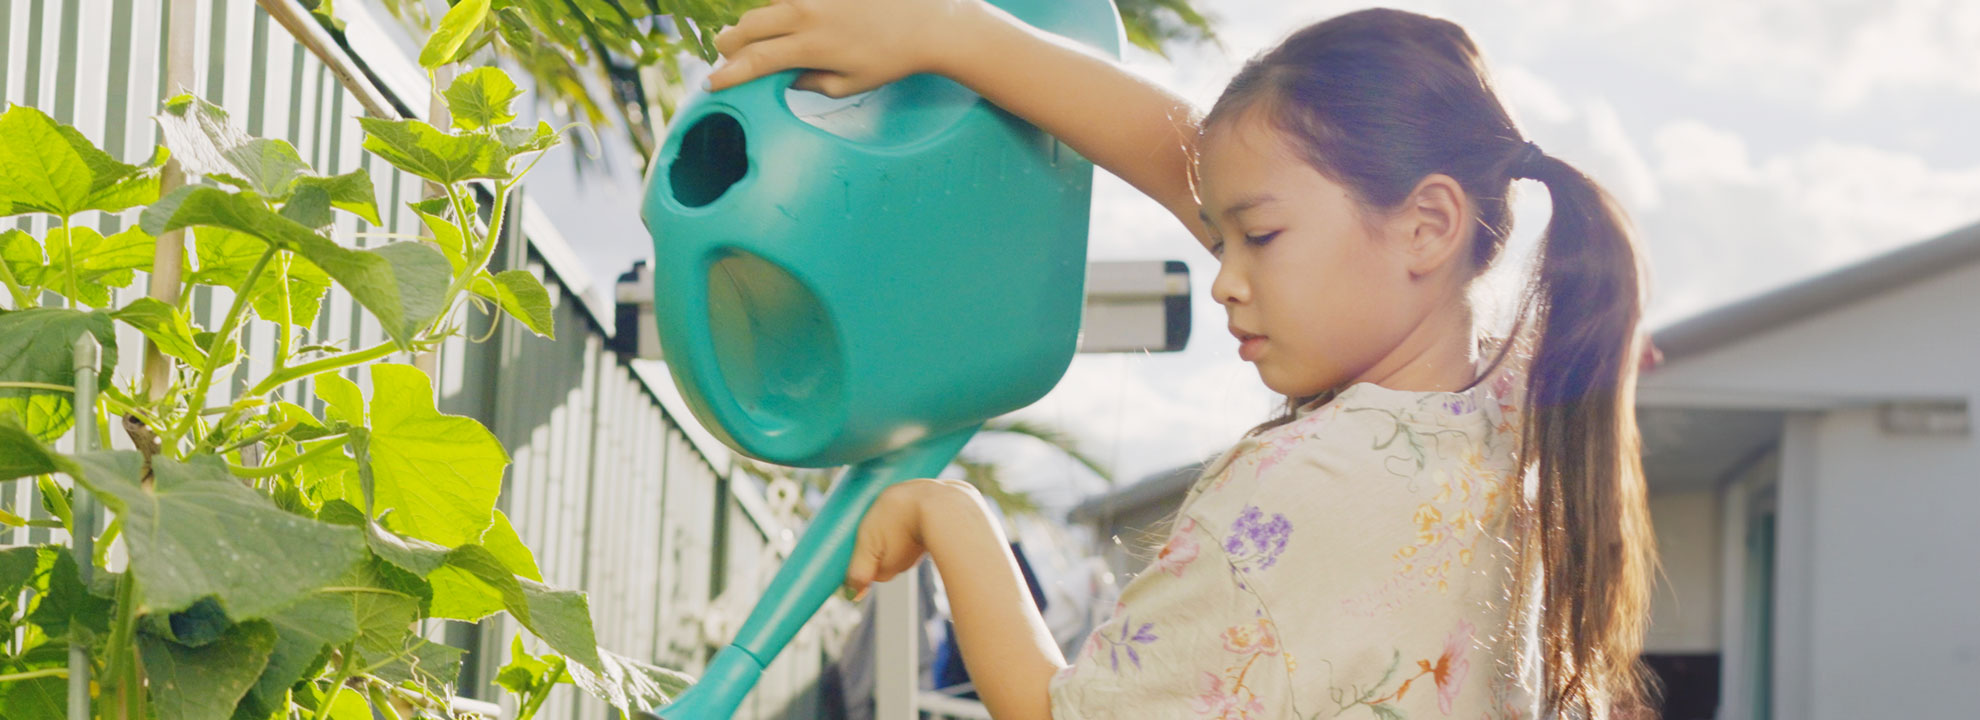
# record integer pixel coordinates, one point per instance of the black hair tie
(1528, 161)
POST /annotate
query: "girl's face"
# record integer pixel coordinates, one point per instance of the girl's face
(1317, 292)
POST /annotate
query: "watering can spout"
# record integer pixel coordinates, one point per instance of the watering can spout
(815, 569)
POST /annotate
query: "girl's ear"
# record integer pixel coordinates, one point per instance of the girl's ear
(1432, 225)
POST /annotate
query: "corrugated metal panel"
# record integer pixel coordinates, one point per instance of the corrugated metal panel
(605, 485)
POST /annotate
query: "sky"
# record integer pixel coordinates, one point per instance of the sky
(1754, 143)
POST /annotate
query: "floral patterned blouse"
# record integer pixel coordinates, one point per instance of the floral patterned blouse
(1351, 563)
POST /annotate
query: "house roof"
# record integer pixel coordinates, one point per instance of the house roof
(1894, 269)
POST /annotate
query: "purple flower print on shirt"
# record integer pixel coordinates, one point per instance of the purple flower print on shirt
(1124, 645)
(1255, 541)
(1460, 405)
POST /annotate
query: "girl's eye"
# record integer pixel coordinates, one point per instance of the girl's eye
(1261, 239)
(1217, 249)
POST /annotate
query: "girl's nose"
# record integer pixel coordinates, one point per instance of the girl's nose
(1230, 287)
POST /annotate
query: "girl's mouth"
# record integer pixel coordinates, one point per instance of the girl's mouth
(1249, 345)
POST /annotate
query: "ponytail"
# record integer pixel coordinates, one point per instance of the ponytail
(1587, 521)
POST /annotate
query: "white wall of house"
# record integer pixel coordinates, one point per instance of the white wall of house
(1684, 612)
(1878, 584)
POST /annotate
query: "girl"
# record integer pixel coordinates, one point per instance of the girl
(1436, 525)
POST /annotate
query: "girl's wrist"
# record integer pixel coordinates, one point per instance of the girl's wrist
(967, 32)
(943, 504)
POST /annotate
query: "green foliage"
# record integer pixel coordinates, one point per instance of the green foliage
(47, 167)
(279, 562)
(596, 60)
(35, 349)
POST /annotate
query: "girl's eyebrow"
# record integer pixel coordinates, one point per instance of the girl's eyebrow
(1246, 203)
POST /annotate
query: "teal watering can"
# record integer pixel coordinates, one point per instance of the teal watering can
(861, 285)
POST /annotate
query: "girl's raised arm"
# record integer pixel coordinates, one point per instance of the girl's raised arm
(1134, 128)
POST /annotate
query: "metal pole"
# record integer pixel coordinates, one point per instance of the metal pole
(82, 538)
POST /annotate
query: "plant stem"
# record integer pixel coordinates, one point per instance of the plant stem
(337, 683)
(60, 672)
(22, 299)
(314, 367)
(37, 386)
(536, 699)
(285, 465)
(226, 332)
(69, 259)
(103, 541)
(120, 649)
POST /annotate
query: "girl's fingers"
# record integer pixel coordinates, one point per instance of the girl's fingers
(756, 25)
(829, 84)
(756, 60)
(865, 564)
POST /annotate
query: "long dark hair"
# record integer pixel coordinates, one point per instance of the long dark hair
(1379, 99)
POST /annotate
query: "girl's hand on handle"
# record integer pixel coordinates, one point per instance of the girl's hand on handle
(890, 537)
(849, 46)
(1134, 128)
(1010, 654)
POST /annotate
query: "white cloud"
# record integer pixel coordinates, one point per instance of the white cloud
(1836, 54)
(1735, 225)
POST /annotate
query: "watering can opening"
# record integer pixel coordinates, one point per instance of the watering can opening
(777, 347)
(713, 156)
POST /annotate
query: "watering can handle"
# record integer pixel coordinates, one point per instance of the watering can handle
(815, 569)
(762, 99)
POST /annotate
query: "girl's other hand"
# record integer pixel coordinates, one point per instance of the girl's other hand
(891, 539)
(848, 46)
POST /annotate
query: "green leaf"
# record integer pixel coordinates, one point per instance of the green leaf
(481, 97)
(39, 348)
(367, 607)
(23, 455)
(448, 236)
(418, 660)
(290, 292)
(423, 150)
(166, 325)
(206, 682)
(42, 698)
(474, 584)
(438, 473)
(17, 569)
(460, 21)
(522, 296)
(349, 705)
(351, 192)
(342, 399)
(402, 284)
(525, 673)
(310, 208)
(501, 539)
(49, 167)
(519, 140)
(207, 143)
(225, 257)
(83, 259)
(198, 532)
(629, 684)
(66, 604)
(22, 254)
